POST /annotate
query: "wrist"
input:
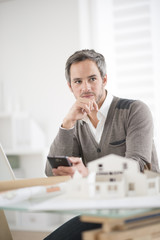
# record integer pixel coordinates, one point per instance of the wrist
(68, 124)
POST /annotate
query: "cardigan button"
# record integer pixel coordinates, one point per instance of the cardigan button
(98, 150)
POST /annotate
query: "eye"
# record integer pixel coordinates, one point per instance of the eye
(78, 81)
(92, 79)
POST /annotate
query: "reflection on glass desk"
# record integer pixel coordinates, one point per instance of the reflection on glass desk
(108, 207)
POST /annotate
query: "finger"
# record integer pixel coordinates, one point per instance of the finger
(75, 160)
(85, 101)
(95, 106)
(91, 103)
(66, 170)
(84, 107)
(57, 172)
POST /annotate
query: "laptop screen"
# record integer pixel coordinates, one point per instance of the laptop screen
(6, 172)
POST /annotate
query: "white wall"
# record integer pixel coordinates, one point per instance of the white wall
(36, 38)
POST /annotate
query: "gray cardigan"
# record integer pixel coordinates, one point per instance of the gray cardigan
(128, 132)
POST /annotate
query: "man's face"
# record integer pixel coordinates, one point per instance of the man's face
(86, 81)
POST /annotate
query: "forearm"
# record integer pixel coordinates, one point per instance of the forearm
(143, 164)
(65, 144)
(61, 146)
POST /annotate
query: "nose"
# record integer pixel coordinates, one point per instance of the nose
(86, 86)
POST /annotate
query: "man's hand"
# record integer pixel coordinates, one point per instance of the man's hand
(77, 164)
(78, 111)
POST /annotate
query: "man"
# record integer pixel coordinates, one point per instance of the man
(99, 124)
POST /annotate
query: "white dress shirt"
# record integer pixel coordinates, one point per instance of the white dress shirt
(101, 115)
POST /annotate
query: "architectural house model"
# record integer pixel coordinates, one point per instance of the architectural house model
(113, 176)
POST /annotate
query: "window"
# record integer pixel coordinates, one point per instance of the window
(100, 167)
(112, 179)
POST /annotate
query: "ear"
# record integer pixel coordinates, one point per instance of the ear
(105, 80)
(69, 85)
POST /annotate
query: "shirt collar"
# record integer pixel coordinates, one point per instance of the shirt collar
(105, 106)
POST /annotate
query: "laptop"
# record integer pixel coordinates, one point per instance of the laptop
(6, 172)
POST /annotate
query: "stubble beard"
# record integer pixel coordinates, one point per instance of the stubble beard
(99, 97)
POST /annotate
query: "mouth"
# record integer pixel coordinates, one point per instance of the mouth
(87, 95)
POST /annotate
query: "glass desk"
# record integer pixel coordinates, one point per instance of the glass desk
(117, 223)
(114, 208)
(119, 213)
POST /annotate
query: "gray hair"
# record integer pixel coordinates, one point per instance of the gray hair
(84, 55)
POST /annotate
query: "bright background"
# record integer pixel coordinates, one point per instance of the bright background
(36, 38)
